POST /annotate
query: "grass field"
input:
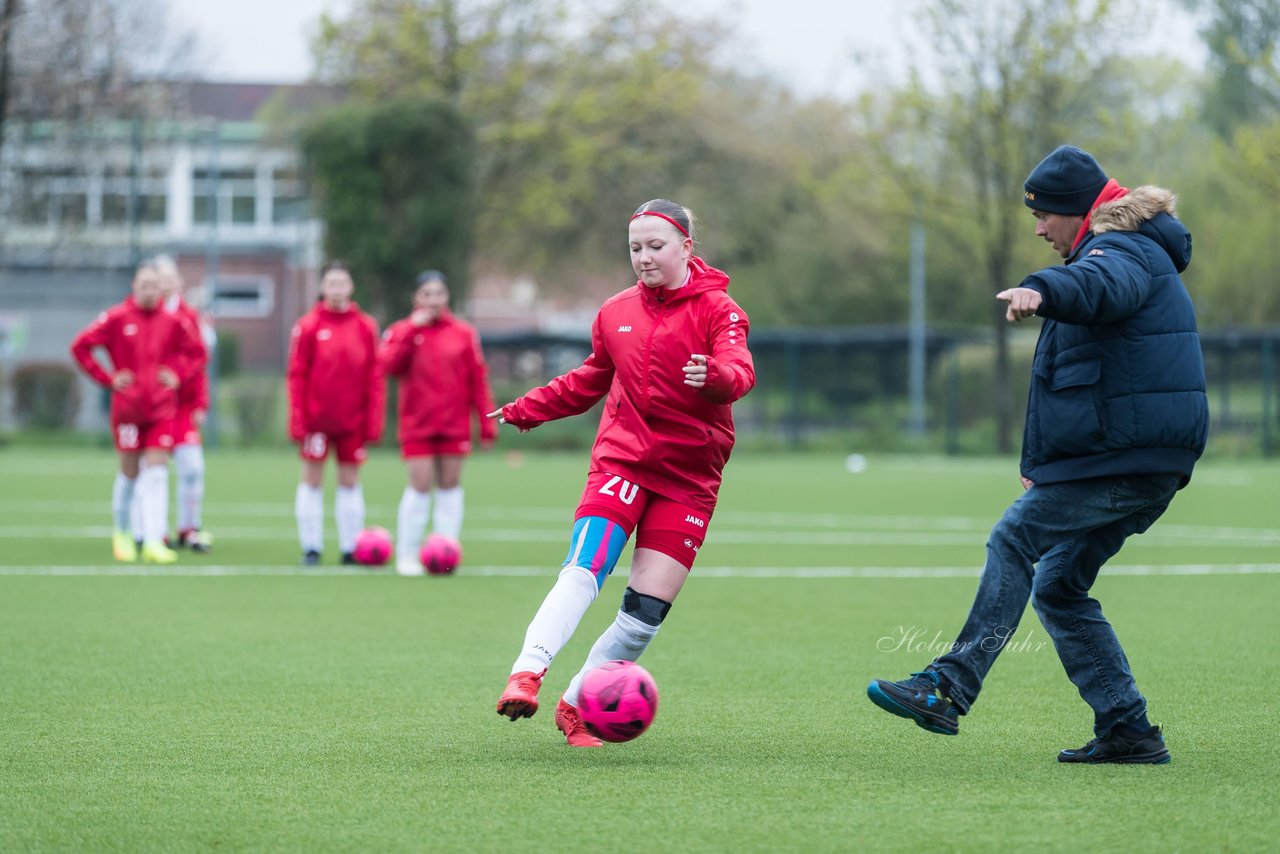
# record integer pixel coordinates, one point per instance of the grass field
(237, 702)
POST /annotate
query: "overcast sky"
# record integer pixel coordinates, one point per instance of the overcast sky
(807, 43)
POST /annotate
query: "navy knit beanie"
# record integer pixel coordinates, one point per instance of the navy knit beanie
(1068, 182)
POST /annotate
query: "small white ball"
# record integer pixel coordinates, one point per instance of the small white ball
(855, 463)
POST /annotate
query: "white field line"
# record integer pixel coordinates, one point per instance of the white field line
(63, 508)
(103, 463)
(181, 570)
(64, 518)
(1169, 536)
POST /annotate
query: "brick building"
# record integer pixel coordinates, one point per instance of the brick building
(81, 205)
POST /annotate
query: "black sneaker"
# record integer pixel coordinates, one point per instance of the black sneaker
(1145, 749)
(918, 698)
(311, 558)
(199, 541)
(348, 559)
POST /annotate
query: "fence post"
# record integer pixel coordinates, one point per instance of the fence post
(1224, 386)
(952, 387)
(795, 378)
(1268, 380)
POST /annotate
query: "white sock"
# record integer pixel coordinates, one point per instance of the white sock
(348, 509)
(308, 508)
(135, 527)
(122, 502)
(448, 517)
(153, 495)
(625, 639)
(555, 621)
(411, 522)
(188, 461)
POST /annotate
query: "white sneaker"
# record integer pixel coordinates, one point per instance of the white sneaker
(409, 566)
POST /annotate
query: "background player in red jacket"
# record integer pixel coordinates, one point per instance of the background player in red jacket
(193, 406)
(668, 356)
(152, 353)
(336, 398)
(444, 382)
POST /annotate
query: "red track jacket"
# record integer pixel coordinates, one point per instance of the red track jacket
(194, 394)
(655, 430)
(142, 342)
(443, 379)
(335, 386)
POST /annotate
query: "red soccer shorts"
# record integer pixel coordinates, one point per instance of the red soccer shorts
(185, 429)
(677, 530)
(349, 447)
(131, 438)
(435, 448)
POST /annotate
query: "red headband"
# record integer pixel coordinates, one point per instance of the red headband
(663, 216)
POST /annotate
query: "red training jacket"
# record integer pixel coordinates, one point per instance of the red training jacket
(335, 386)
(141, 341)
(443, 379)
(656, 431)
(193, 395)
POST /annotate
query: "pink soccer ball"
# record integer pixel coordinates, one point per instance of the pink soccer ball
(618, 700)
(440, 555)
(373, 546)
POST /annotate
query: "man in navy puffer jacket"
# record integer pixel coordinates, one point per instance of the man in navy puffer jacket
(1116, 419)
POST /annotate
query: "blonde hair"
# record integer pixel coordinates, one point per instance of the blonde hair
(676, 214)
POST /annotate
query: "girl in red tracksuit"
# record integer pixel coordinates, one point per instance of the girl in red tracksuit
(153, 354)
(443, 382)
(336, 398)
(669, 356)
(193, 406)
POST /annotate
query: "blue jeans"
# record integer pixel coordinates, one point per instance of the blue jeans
(1048, 547)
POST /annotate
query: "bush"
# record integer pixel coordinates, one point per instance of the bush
(254, 401)
(46, 396)
(965, 385)
(227, 354)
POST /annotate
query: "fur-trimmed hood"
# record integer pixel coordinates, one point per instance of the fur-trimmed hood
(1130, 211)
(1151, 211)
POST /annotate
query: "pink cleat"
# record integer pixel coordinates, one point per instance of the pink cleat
(575, 731)
(520, 700)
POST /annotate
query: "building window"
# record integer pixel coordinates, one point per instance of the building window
(32, 204)
(154, 209)
(50, 196)
(243, 210)
(289, 203)
(236, 191)
(73, 208)
(119, 186)
(242, 295)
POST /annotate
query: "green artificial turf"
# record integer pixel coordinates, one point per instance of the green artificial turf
(237, 702)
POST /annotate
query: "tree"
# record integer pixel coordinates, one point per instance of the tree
(489, 60)
(393, 182)
(80, 60)
(577, 125)
(8, 17)
(1014, 80)
(1244, 68)
(1230, 199)
(80, 66)
(572, 123)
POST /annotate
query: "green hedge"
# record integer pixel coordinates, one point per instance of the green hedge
(46, 396)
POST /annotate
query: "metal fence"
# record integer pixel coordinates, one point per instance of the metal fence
(816, 389)
(850, 386)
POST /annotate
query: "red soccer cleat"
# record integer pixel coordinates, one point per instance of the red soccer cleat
(520, 700)
(575, 731)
